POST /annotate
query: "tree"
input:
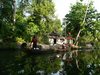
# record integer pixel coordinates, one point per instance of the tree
(6, 19)
(16, 24)
(42, 20)
(77, 23)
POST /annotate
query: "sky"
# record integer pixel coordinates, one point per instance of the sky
(62, 7)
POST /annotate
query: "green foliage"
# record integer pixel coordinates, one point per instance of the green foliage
(19, 40)
(16, 24)
(6, 20)
(75, 19)
(43, 19)
(86, 39)
(6, 6)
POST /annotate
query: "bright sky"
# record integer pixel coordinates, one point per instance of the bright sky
(63, 6)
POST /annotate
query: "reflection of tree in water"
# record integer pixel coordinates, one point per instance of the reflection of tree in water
(25, 64)
(29, 64)
(71, 67)
(48, 64)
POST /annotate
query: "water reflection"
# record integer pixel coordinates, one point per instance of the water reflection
(32, 64)
(52, 63)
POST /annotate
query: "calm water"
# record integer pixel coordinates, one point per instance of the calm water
(46, 63)
(26, 63)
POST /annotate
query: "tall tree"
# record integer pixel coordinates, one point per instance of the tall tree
(77, 22)
(6, 19)
(42, 19)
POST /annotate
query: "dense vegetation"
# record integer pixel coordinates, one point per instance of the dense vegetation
(83, 22)
(21, 19)
(35, 17)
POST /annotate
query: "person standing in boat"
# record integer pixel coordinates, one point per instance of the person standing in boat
(34, 41)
